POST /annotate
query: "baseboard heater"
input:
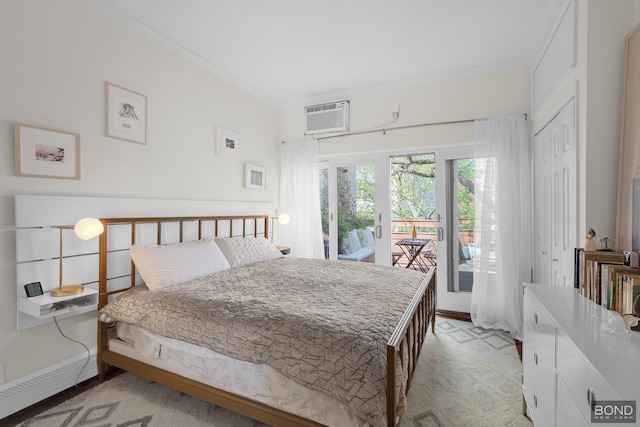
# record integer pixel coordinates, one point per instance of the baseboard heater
(23, 392)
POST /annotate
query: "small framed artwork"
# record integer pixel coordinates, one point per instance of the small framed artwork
(47, 153)
(126, 114)
(228, 143)
(255, 178)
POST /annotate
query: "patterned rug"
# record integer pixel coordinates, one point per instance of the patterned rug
(466, 376)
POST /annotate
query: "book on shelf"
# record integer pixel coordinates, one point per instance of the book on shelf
(616, 274)
(605, 286)
(577, 266)
(630, 284)
(595, 273)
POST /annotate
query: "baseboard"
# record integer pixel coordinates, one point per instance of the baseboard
(33, 388)
(454, 315)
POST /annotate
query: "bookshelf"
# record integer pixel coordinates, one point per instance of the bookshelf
(610, 279)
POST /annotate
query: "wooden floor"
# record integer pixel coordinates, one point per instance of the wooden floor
(55, 400)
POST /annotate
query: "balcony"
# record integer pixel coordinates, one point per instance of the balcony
(426, 229)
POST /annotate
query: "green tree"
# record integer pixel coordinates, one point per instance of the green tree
(413, 187)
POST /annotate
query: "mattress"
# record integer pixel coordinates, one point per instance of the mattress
(259, 382)
(323, 324)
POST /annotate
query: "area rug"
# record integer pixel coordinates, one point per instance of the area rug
(466, 376)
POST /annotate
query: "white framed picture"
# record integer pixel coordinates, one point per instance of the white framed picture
(255, 177)
(126, 114)
(229, 143)
(46, 153)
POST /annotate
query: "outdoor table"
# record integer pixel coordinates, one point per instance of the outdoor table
(411, 249)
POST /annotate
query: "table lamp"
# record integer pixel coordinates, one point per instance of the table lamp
(86, 228)
(282, 219)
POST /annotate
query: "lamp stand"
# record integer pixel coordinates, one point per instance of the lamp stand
(63, 291)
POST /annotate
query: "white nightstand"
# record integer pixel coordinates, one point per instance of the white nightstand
(45, 306)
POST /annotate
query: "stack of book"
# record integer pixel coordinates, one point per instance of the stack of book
(611, 279)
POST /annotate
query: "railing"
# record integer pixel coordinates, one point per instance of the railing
(425, 229)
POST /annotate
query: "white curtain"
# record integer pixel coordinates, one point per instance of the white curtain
(300, 199)
(502, 223)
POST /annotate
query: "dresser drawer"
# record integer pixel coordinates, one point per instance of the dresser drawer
(540, 402)
(538, 325)
(580, 377)
(538, 362)
(567, 413)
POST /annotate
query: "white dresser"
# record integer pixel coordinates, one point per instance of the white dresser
(575, 351)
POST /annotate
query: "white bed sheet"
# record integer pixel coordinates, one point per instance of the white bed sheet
(255, 381)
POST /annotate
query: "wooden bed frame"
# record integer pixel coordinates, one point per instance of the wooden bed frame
(403, 348)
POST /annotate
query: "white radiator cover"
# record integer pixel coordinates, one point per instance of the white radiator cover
(23, 392)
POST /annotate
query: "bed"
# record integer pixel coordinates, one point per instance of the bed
(282, 340)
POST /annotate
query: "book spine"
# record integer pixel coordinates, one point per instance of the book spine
(604, 285)
(626, 295)
(577, 263)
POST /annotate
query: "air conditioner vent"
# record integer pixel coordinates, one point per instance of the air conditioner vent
(332, 117)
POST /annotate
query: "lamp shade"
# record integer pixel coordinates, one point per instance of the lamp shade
(88, 228)
(283, 218)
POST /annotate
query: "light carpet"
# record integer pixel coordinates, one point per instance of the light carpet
(466, 376)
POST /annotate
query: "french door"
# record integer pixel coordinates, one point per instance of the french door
(357, 194)
(353, 194)
(455, 227)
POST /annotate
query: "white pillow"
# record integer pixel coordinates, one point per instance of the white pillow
(370, 239)
(354, 240)
(171, 264)
(241, 251)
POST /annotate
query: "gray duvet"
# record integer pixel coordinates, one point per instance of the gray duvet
(322, 323)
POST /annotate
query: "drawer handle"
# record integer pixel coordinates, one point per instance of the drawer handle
(535, 318)
(535, 358)
(591, 397)
(535, 400)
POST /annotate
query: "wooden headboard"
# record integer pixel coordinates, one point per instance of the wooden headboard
(116, 271)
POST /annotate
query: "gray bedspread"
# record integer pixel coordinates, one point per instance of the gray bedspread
(322, 323)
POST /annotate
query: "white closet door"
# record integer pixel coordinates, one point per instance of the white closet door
(555, 199)
(564, 191)
(542, 207)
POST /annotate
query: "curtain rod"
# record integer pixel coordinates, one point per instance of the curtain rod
(385, 130)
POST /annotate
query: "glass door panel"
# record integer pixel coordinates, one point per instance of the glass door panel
(455, 228)
(324, 209)
(356, 211)
(461, 247)
(413, 210)
(350, 222)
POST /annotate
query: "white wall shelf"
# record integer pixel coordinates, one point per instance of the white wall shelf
(46, 306)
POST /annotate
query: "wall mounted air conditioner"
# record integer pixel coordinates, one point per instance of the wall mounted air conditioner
(332, 117)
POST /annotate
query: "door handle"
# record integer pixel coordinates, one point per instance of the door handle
(440, 234)
(379, 231)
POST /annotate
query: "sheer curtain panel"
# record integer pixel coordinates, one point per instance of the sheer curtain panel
(300, 199)
(502, 223)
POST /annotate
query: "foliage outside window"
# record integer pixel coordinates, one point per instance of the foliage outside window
(413, 194)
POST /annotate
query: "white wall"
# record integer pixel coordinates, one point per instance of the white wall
(56, 57)
(601, 29)
(450, 100)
